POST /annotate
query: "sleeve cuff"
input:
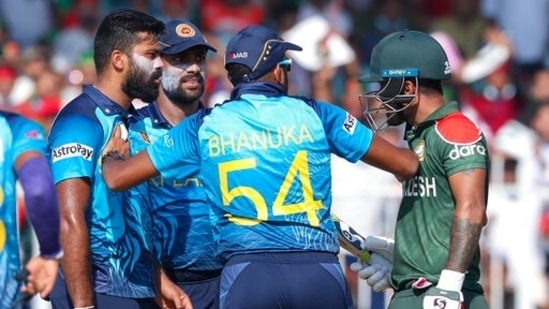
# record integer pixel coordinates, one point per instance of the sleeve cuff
(54, 256)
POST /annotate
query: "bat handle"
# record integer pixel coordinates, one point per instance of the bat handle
(365, 256)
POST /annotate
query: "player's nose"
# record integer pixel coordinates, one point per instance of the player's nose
(157, 63)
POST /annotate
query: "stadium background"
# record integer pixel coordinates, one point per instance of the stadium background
(498, 50)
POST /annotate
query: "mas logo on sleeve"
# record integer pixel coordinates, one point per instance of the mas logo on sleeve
(456, 129)
(350, 124)
(72, 150)
(33, 134)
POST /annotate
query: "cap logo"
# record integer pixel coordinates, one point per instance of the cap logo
(447, 69)
(185, 31)
(238, 55)
(399, 73)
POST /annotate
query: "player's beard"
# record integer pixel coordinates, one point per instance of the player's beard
(396, 119)
(176, 92)
(141, 85)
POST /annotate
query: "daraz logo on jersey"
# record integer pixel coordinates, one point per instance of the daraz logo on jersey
(72, 150)
(464, 136)
(461, 151)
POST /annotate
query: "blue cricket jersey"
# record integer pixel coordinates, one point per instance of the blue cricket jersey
(180, 211)
(121, 255)
(264, 158)
(17, 136)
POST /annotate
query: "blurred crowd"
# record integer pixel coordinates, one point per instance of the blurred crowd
(498, 51)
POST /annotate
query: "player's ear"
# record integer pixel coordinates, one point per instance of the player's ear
(118, 59)
(409, 87)
(280, 74)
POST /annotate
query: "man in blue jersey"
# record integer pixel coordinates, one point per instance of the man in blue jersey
(22, 157)
(264, 159)
(109, 261)
(180, 213)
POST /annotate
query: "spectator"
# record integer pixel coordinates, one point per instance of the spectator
(224, 18)
(76, 39)
(27, 22)
(7, 81)
(465, 25)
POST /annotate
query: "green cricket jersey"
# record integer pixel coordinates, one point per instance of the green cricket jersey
(446, 143)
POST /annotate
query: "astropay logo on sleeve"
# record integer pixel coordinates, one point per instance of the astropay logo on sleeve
(72, 150)
(349, 124)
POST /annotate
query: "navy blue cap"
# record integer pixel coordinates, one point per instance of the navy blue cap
(257, 47)
(180, 35)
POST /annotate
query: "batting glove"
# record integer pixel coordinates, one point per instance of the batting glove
(447, 293)
(377, 272)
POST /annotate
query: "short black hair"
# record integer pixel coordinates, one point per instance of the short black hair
(237, 73)
(119, 30)
(430, 86)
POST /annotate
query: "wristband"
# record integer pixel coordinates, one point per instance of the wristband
(88, 307)
(450, 280)
(112, 154)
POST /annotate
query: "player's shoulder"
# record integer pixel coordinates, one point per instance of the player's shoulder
(456, 128)
(19, 122)
(136, 118)
(15, 118)
(78, 112)
(82, 105)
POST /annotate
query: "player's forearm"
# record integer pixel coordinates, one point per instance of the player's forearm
(464, 238)
(76, 263)
(116, 174)
(121, 174)
(469, 217)
(402, 162)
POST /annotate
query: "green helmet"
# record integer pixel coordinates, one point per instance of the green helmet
(400, 55)
(408, 53)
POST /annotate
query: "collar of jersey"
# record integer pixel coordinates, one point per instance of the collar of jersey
(444, 110)
(153, 112)
(266, 89)
(107, 105)
(157, 118)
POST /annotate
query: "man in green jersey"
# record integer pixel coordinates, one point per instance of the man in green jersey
(443, 209)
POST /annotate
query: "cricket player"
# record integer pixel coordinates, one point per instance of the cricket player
(264, 159)
(183, 238)
(109, 261)
(22, 157)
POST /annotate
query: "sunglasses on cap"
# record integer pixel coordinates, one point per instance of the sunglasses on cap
(286, 63)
